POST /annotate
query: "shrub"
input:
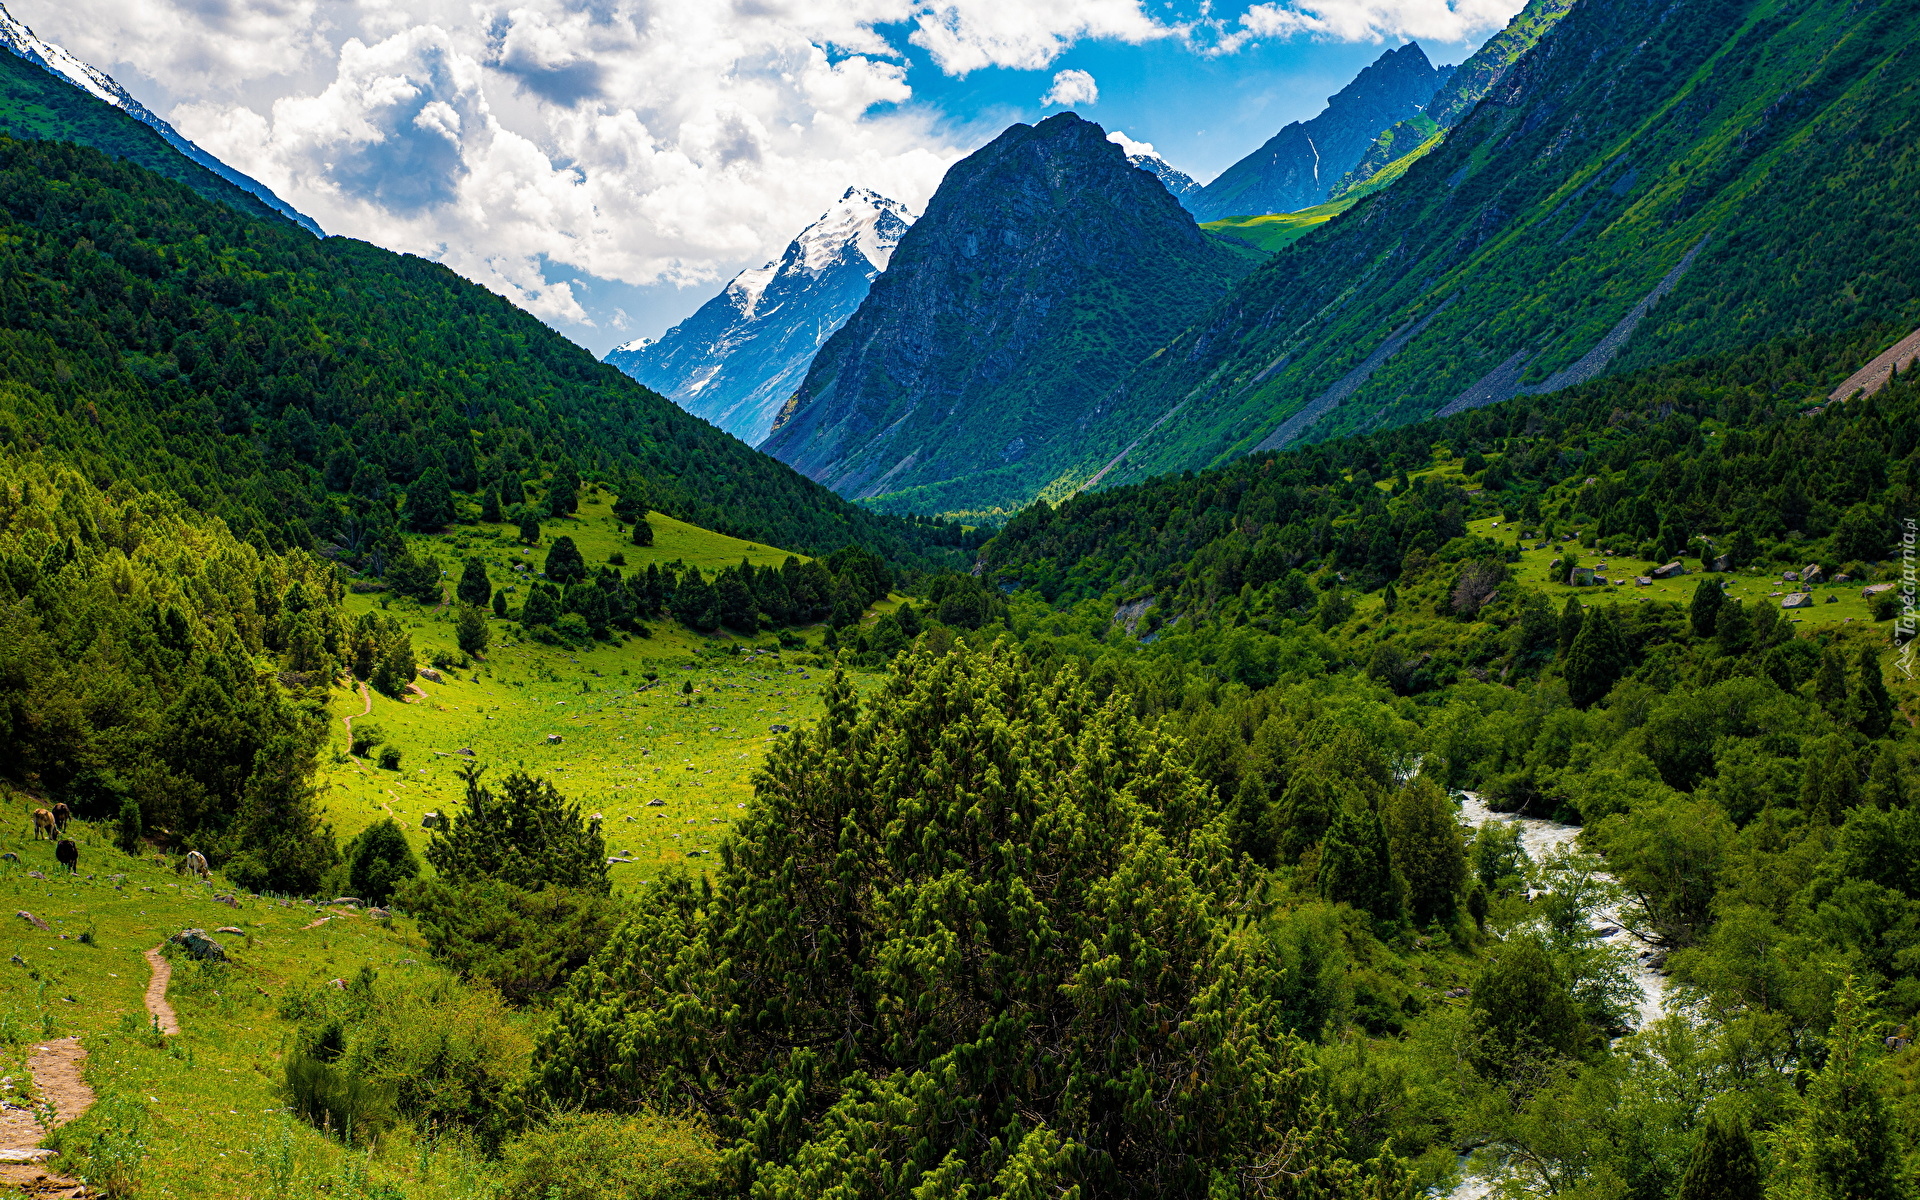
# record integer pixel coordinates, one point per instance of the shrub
(429, 1051)
(379, 860)
(390, 758)
(526, 944)
(605, 1156)
(365, 737)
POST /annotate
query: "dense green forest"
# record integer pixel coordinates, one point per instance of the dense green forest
(300, 389)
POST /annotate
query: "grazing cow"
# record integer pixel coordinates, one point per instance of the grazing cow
(43, 823)
(197, 864)
(68, 854)
(61, 815)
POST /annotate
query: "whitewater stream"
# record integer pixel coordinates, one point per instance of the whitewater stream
(1541, 840)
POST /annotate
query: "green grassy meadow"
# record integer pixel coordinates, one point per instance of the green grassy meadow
(1274, 232)
(214, 1122)
(626, 740)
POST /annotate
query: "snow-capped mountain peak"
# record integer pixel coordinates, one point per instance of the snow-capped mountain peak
(1143, 156)
(18, 38)
(861, 220)
(736, 360)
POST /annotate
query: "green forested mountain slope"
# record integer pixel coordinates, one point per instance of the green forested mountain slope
(151, 336)
(36, 105)
(1778, 143)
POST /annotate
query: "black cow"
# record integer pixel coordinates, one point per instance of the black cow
(68, 854)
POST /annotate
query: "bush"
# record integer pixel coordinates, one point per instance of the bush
(605, 1156)
(390, 758)
(525, 944)
(429, 1051)
(127, 830)
(379, 860)
(365, 737)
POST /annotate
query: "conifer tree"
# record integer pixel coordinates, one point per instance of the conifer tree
(642, 532)
(430, 501)
(1356, 864)
(693, 602)
(1597, 658)
(379, 860)
(1428, 850)
(565, 565)
(284, 846)
(475, 588)
(527, 834)
(500, 605)
(926, 933)
(1842, 1144)
(512, 492)
(1886, 787)
(734, 603)
(490, 506)
(1521, 1011)
(1572, 616)
(540, 608)
(1830, 683)
(1724, 1165)
(1707, 597)
(470, 630)
(1872, 706)
(528, 522)
(1732, 630)
(563, 496)
(1831, 785)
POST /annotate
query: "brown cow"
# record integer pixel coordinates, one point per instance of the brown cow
(43, 823)
(61, 815)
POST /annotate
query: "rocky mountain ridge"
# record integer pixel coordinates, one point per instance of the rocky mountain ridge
(739, 357)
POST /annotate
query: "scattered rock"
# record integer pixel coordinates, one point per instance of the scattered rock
(10, 856)
(378, 914)
(430, 820)
(1798, 600)
(778, 728)
(38, 875)
(197, 943)
(1896, 1042)
(1580, 577)
(32, 920)
(1672, 570)
(235, 930)
(554, 739)
(1812, 573)
(229, 901)
(353, 900)
(337, 983)
(1874, 589)
(408, 962)
(465, 751)
(19, 961)
(1456, 993)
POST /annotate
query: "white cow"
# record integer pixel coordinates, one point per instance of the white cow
(197, 864)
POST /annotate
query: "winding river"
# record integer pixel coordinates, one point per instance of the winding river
(1542, 839)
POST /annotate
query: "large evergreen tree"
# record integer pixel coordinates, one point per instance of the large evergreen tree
(1522, 1013)
(430, 501)
(474, 588)
(283, 846)
(1428, 851)
(1356, 865)
(1597, 658)
(565, 564)
(925, 947)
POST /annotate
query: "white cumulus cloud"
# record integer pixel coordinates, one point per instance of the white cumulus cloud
(1072, 87)
(1373, 20)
